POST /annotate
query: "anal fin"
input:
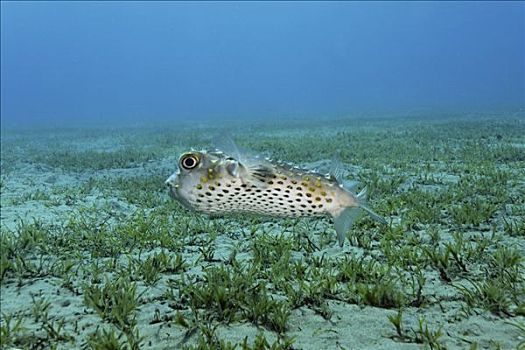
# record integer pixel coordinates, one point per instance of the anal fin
(344, 221)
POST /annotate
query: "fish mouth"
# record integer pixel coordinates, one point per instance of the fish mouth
(172, 191)
(172, 185)
(174, 194)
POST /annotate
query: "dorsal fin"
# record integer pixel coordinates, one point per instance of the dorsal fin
(336, 169)
(337, 172)
(350, 185)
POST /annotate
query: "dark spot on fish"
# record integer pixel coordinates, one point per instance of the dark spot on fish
(280, 182)
(244, 185)
(277, 189)
(318, 199)
(329, 200)
(299, 188)
(303, 205)
(308, 194)
(212, 188)
(208, 193)
(297, 199)
(225, 191)
(309, 201)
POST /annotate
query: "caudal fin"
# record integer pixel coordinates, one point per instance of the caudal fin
(344, 221)
(363, 205)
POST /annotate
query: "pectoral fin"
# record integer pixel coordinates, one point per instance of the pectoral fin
(243, 165)
(250, 176)
(336, 168)
(233, 168)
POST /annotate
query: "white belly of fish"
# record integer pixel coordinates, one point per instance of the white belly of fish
(284, 199)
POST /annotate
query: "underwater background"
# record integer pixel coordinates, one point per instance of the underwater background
(424, 102)
(87, 62)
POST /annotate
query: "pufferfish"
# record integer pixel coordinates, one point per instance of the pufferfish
(217, 183)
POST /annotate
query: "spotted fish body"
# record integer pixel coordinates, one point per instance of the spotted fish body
(217, 183)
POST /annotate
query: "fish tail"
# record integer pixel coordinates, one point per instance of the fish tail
(346, 218)
(363, 204)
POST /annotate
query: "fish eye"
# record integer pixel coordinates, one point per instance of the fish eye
(189, 161)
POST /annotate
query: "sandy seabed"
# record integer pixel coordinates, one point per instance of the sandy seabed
(95, 255)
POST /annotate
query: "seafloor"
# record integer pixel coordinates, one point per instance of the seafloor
(95, 255)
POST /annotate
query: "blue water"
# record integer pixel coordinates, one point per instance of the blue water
(79, 62)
